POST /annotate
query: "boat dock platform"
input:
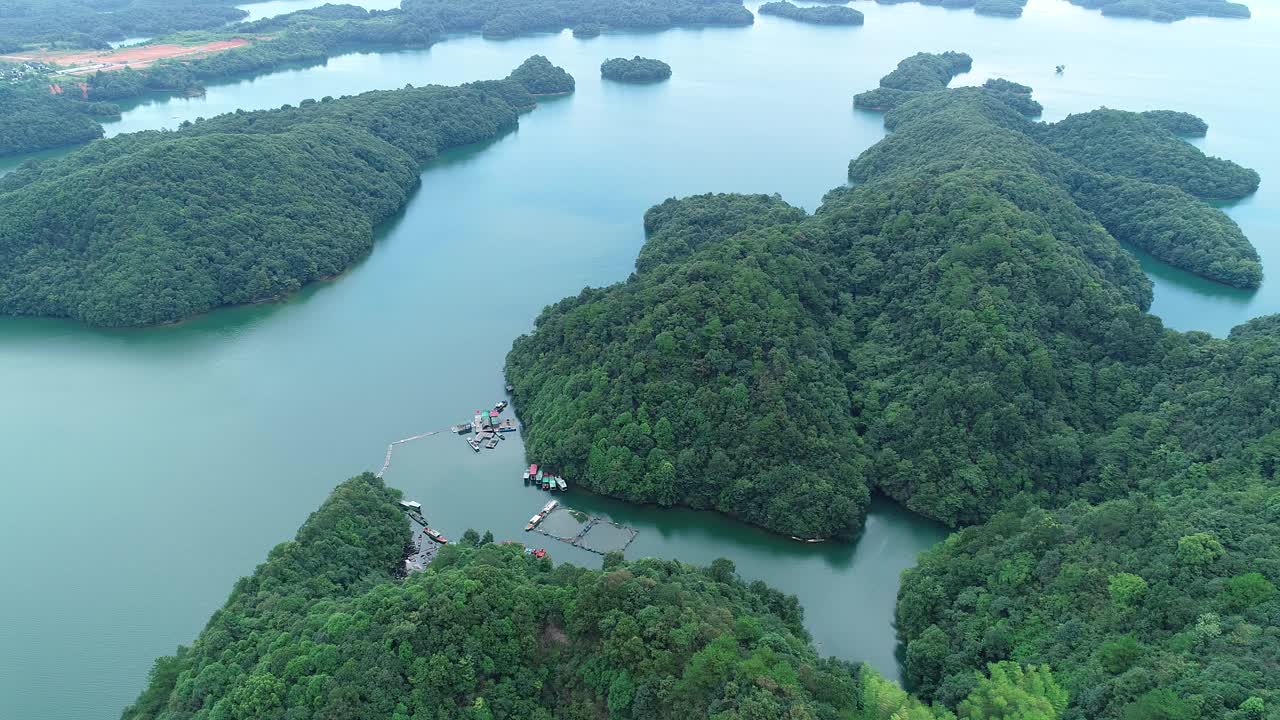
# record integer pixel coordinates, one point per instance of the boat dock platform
(424, 542)
(488, 427)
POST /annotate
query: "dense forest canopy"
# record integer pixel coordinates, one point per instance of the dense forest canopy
(540, 77)
(922, 72)
(158, 226)
(637, 69)
(817, 15)
(1136, 176)
(92, 23)
(1178, 123)
(327, 627)
(957, 330)
(32, 118)
(960, 331)
(1135, 146)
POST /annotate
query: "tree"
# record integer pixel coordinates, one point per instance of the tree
(1126, 589)
(1011, 692)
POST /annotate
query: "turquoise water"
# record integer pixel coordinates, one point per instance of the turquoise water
(146, 470)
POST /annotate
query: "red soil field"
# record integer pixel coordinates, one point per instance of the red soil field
(79, 62)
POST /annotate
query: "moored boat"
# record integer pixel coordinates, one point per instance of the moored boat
(435, 535)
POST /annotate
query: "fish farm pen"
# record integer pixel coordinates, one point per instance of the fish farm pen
(591, 533)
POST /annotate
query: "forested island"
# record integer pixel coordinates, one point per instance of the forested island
(961, 331)
(817, 15)
(760, 386)
(637, 69)
(157, 226)
(327, 627)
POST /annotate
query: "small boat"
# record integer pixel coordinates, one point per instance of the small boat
(460, 429)
(435, 535)
(507, 426)
(540, 553)
(546, 482)
(549, 506)
(525, 477)
(475, 444)
(493, 443)
(563, 485)
(511, 388)
(533, 521)
(500, 406)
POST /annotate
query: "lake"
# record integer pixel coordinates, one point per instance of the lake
(146, 470)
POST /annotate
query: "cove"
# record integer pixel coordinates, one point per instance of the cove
(147, 470)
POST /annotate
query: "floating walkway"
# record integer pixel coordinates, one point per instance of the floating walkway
(386, 461)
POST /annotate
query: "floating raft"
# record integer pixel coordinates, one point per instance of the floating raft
(580, 539)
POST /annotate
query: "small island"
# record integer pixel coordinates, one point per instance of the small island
(636, 70)
(820, 15)
(587, 30)
(540, 77)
